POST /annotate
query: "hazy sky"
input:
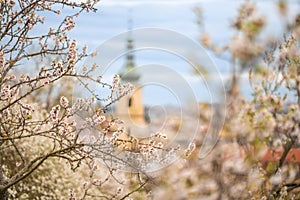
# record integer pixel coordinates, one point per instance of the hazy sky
(111, 20)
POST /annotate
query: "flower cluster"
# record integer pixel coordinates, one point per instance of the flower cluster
(244, 49)
(6, 92)
(64, 102)
(54, 113)
(244, 46)
(247, 21)
(70, 24)
(72, 54)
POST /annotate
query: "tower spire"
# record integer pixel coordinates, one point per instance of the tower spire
(128, 72)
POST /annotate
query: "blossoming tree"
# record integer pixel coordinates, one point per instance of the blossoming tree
(40, 142)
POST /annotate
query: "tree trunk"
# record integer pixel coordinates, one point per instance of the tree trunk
(234, 87)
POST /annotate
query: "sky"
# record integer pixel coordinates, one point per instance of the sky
(111, 18)
(111, 22)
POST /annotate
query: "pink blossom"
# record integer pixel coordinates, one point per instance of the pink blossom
(64, 102)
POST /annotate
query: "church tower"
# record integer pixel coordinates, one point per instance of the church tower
(130, 108)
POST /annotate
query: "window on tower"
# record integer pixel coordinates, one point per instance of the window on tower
(129, 102)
